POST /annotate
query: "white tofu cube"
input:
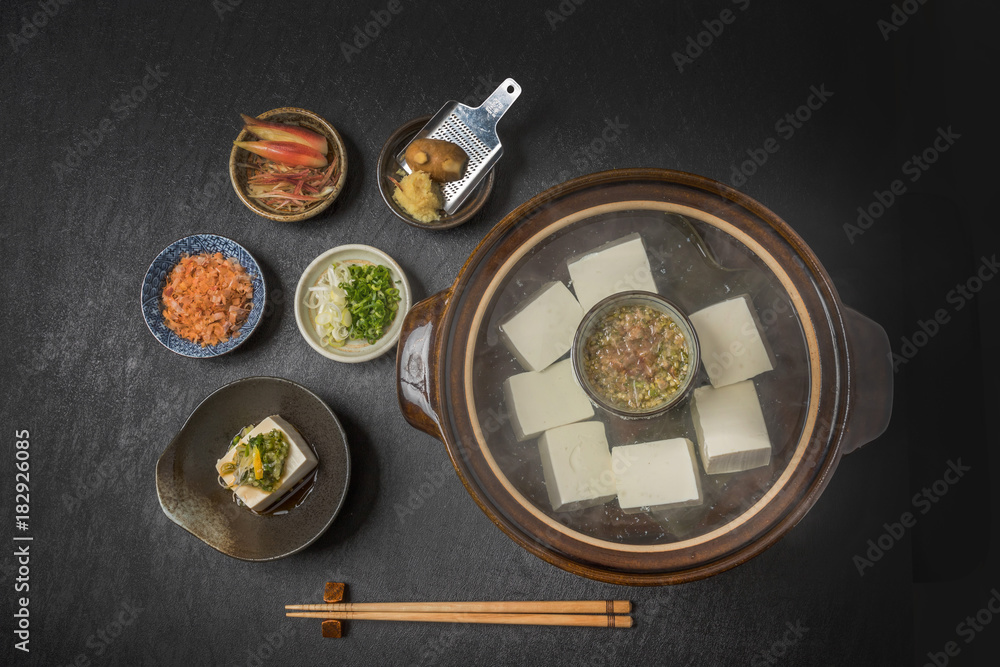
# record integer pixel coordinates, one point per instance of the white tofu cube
(733, 348)
(576, 465)
(540, 400)
(730, 426)
(619, 266)
(656, 475)
(541, 330)
(299, 462)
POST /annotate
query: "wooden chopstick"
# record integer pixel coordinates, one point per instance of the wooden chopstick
(572, 620)
(504, 607)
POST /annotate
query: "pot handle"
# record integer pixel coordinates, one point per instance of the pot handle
(417, 357)
(870, 359)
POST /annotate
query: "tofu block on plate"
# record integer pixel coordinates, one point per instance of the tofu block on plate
(656, 475)
(299, 462)
(733, 348)
(541, 330)
(576, 465)
(540, 400)
(730, 426)
(619, 266)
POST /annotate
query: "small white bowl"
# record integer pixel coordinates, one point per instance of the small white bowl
(354, 351)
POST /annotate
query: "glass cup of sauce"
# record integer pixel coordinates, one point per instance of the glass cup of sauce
(635, 354)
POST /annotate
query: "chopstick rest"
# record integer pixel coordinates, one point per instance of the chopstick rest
(333, 592)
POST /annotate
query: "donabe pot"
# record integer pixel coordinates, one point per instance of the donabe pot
(829, 392)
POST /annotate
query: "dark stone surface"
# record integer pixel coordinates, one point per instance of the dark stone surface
(114, 581)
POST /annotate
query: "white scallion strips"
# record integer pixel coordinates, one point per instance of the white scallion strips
(328, 303)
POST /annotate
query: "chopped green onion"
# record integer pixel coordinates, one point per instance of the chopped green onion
(356, 302)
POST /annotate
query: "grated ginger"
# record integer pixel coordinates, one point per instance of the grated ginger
(419, 196)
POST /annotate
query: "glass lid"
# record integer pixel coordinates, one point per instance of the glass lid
(633, 477)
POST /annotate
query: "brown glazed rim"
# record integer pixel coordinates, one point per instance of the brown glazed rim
(819, 310)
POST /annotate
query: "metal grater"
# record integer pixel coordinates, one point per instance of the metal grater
(475, 130)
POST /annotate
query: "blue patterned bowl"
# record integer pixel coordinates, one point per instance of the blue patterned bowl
(156, 278)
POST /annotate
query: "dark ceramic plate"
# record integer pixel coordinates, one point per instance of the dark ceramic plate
(188, 487)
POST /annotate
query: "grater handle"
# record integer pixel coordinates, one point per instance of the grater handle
(499, 101)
